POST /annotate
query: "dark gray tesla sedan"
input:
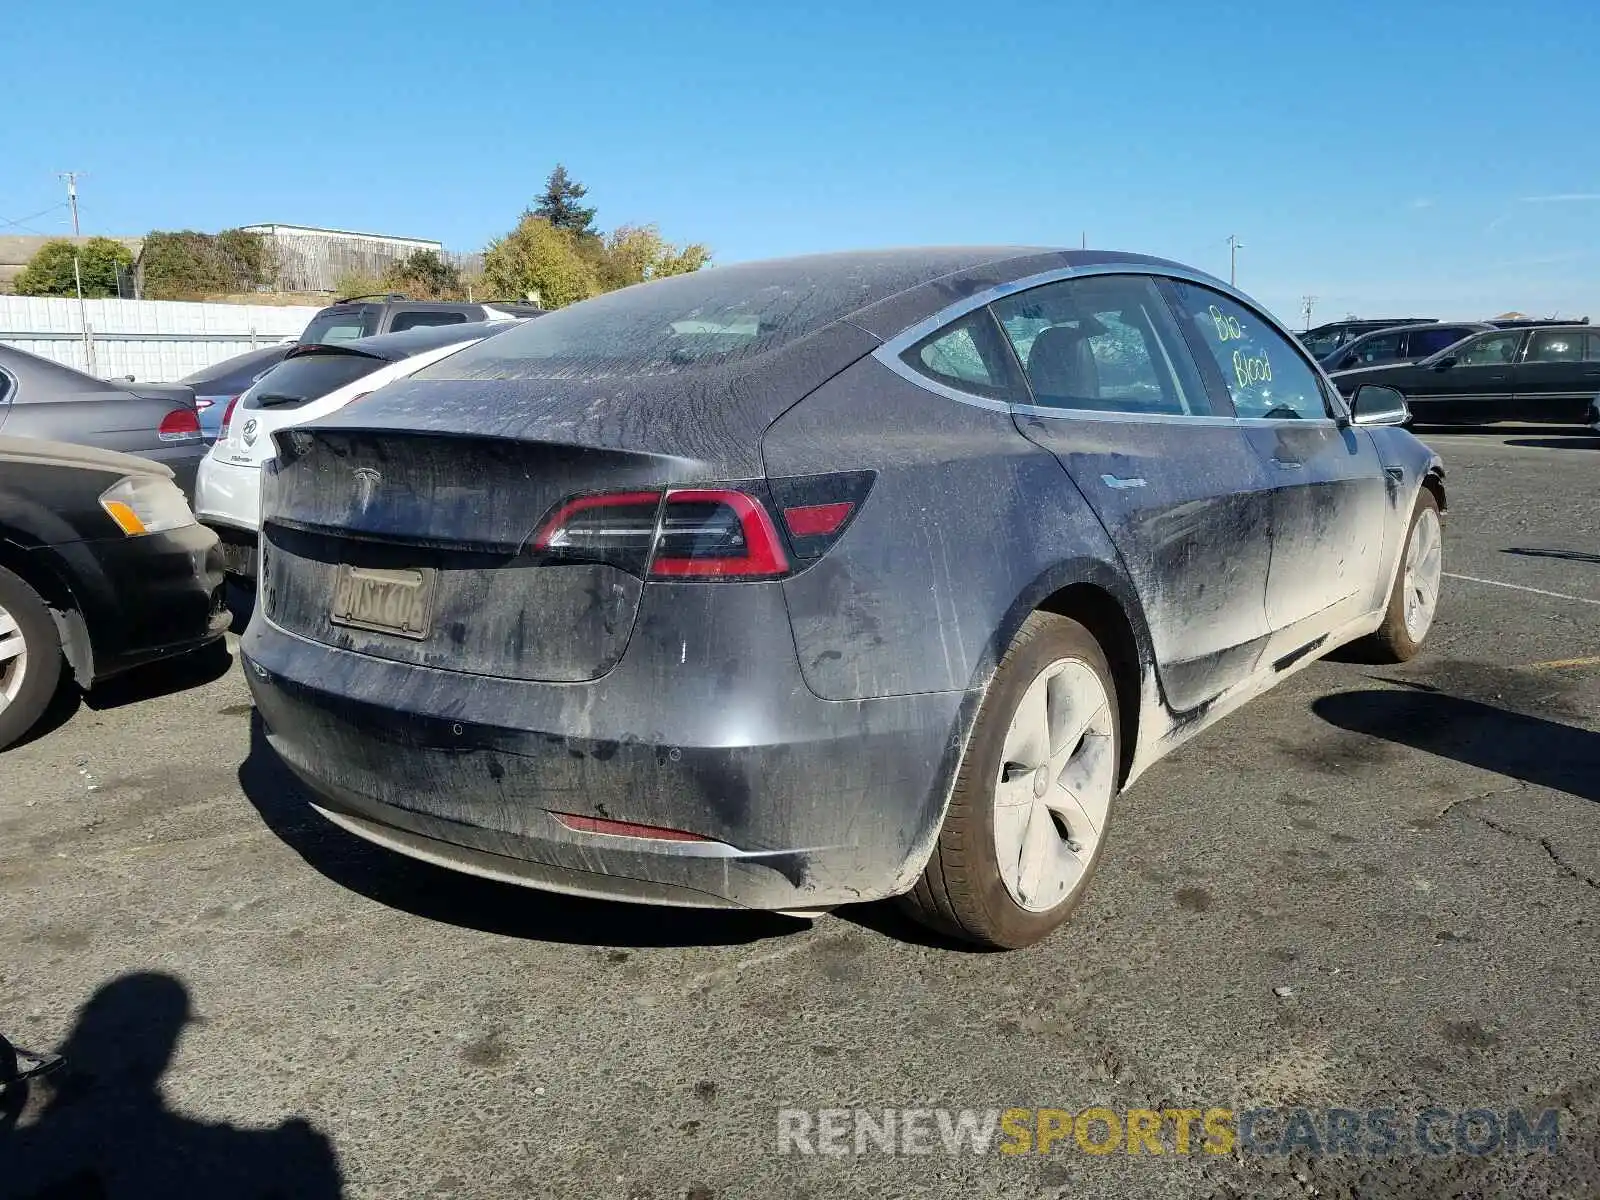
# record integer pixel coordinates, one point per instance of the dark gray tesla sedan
(790, 584)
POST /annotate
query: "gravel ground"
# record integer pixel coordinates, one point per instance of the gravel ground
(1373, 888)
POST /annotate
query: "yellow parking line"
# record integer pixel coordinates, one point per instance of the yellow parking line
(1560, 663)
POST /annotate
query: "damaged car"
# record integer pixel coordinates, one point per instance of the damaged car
(792, 584)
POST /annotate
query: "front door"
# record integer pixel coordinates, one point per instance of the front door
(1328, 485)
(1119, 402)
(1475, 383)
(1558, 377)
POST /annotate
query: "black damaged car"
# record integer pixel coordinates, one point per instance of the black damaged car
(1547, 374)
(102, 569)
(790, 584)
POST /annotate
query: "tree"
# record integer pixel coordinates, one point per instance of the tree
(425, 275)
(187, 265)
(540, 261)
(637, 253)
(49, 272)
(559, 204)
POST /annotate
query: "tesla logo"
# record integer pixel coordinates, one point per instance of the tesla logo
(250, 428)
(367, 481)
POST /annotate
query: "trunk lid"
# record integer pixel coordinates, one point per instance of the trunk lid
(414, 547)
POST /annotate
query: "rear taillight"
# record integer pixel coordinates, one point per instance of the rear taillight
(685, 533)
(227, 416)
(179, 425)
(717, 533)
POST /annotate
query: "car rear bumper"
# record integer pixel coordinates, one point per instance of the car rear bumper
(800, 802)
(228, 495)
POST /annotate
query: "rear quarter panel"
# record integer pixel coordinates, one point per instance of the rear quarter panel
(967, 527)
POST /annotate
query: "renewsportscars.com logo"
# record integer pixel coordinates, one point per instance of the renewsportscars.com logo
(1363, 1133)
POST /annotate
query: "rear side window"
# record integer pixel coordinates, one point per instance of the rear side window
(343, 326)
(297, 381)
(968, 356)
(1265, 375)
(414, 320)
(1593, 354)
(1103, 344)
(1556, 346)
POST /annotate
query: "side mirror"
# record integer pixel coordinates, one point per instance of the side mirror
(1374, 404)
(1444, 364)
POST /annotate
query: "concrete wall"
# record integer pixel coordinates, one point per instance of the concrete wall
(155, 341)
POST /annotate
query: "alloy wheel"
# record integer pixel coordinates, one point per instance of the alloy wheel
(13, 659)
(1054, 791)
(1424, 566)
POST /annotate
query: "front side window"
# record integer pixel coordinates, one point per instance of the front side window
(1556, 346)
(1264, 374)
(1491, 350)
(1106, 343)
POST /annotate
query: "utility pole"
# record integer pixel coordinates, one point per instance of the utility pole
(1306, 305)
(72, 196)
(1234, 246)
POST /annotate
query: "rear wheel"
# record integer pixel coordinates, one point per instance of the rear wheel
(1028, 813)
(30, 658)
(1415, 598)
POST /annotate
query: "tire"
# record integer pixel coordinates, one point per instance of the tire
(978, 884)
(1396, 640)
(28, 679)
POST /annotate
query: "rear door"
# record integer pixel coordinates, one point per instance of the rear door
(1329, 491)
(1473, 384)
(1117, 399)
(1558, 377)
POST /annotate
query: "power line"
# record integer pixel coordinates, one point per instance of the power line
(22, 222)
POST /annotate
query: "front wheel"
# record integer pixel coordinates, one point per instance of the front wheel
(1028, 812)
(1415, 597)
(30, 658)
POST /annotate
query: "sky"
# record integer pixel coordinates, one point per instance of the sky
(1389, 157)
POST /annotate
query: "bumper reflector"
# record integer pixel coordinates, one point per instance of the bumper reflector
(624, 829)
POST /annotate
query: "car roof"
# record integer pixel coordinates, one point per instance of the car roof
(228, 366)
(392, 347)
(1475, 326)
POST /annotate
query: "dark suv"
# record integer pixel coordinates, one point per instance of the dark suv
(1325, 339)
(363, 316)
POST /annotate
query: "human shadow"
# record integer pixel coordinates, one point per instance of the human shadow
(102, 1129)
(455, 898)
(1533, 749)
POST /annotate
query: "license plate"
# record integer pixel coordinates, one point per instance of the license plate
(385, 601)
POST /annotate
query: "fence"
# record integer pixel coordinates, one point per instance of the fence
(155, 341)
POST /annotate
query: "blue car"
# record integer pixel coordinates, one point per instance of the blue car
(220, 384)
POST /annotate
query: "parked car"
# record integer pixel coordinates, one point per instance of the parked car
(368, 316)
(798, 583)
(44, 399)
(1325, 339)
(217, 386)
(1405, 343)
(312, 381)
(102, 569)
(1545, 374)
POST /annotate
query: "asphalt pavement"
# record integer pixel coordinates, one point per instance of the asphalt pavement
(1374, 890)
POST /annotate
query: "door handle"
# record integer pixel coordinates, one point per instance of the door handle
(1115, 481)
(1288, 464)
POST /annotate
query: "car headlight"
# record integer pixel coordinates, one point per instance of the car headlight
(146, 504)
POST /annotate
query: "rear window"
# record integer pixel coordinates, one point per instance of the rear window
(688, 323)
(298, 381)
(343, 326)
